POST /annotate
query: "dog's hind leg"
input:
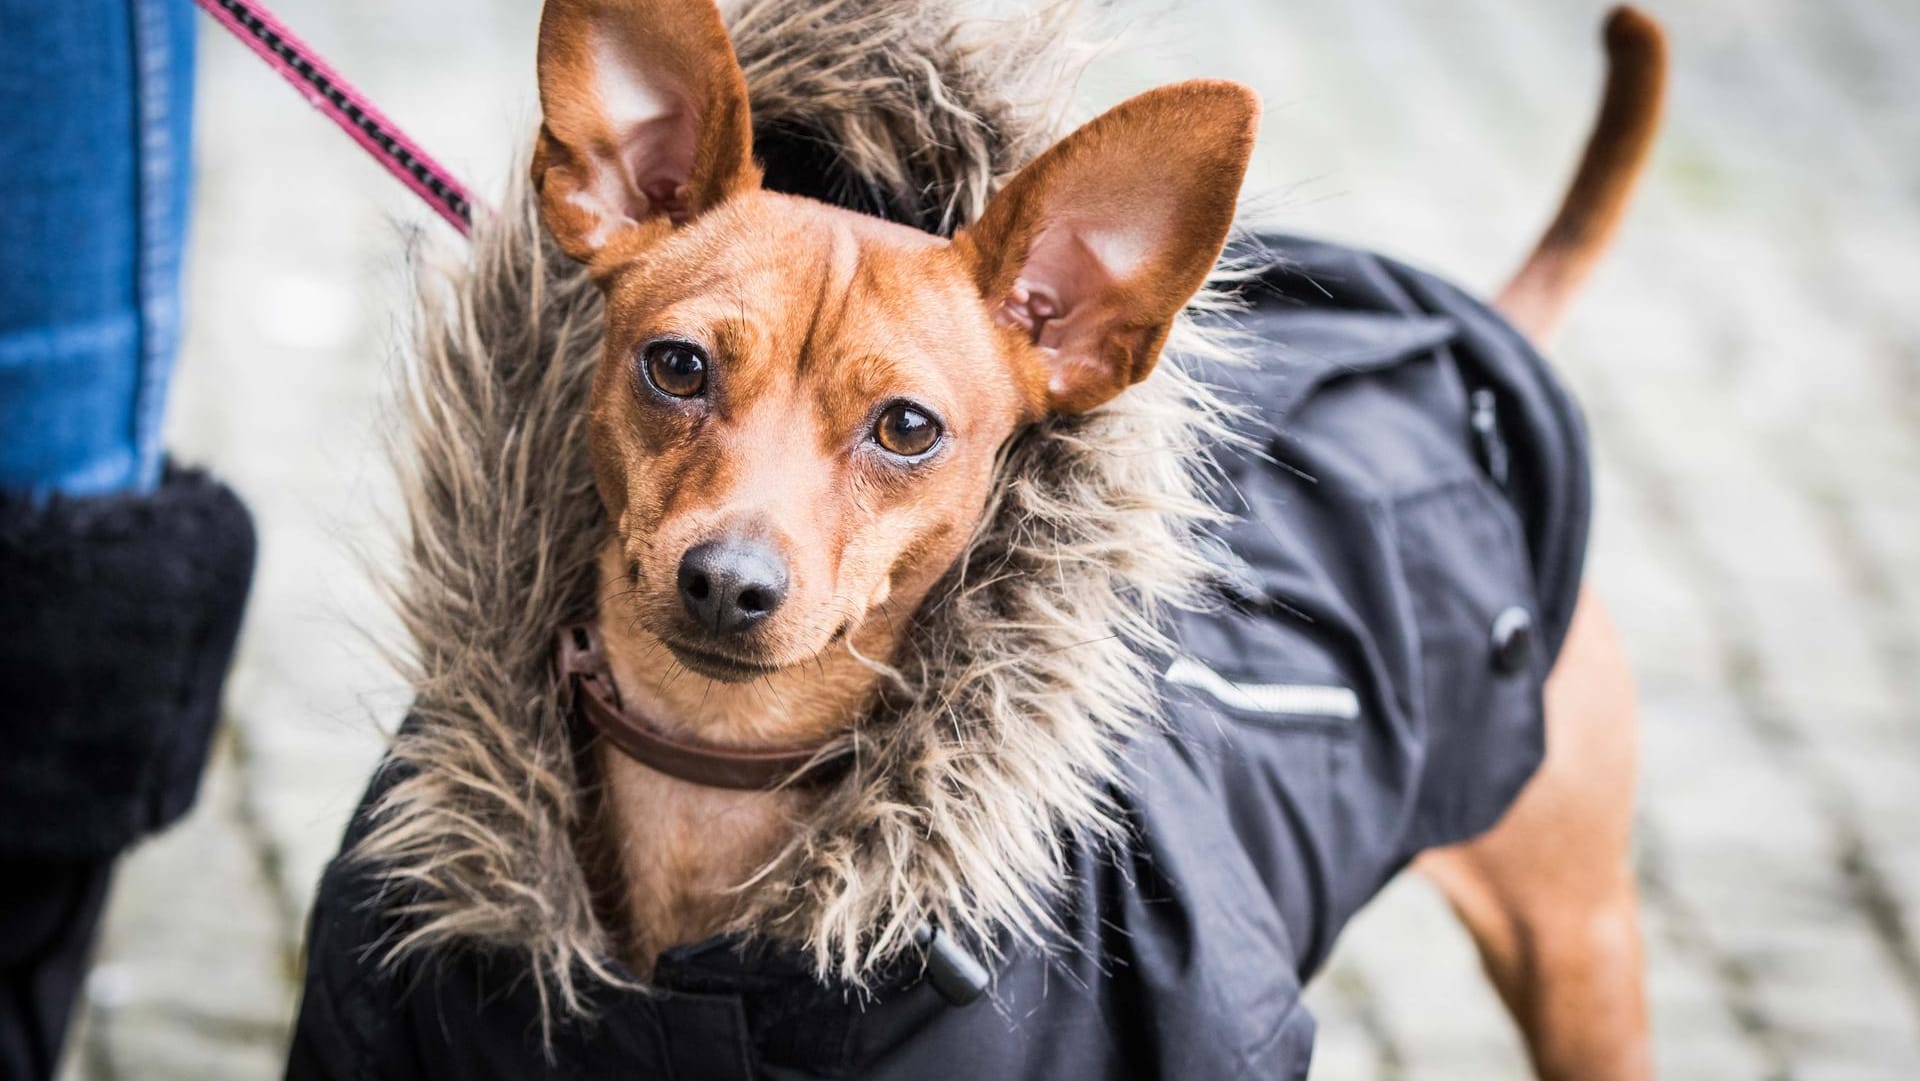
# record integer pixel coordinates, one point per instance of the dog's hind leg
(1548, 894)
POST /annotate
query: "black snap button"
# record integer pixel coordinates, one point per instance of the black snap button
(1512, 640)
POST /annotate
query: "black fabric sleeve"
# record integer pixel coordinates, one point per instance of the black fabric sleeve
(118, 616)
(49, 912)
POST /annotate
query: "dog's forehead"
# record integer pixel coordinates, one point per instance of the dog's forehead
(803, 253)
(804, 286)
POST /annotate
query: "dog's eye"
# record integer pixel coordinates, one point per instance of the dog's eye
(906, 431)
(675, 369)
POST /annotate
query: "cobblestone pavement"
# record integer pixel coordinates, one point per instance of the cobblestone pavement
(1750, 361)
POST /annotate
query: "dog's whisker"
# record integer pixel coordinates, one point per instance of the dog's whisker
(774, 691)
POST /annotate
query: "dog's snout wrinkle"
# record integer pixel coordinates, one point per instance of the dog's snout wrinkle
(731, 585)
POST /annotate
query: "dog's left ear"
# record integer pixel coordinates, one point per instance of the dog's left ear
(644, 119)
(1093, 249)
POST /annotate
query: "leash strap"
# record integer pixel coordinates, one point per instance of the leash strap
(346, 106)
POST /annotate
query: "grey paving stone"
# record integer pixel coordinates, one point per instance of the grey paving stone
(1695, 1031)
(1431, 1002)
(158, 1045)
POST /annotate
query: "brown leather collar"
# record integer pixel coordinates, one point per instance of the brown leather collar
(581, 662)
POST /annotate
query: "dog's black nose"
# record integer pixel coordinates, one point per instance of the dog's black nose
(730, 585)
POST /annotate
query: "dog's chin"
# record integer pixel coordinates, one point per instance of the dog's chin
(703, 659)
(719, 666)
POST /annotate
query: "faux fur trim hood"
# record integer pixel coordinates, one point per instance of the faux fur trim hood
(997, 740)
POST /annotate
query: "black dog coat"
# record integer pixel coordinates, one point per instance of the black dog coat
(1412, 513)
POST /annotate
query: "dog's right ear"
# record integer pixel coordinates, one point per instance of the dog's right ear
(644, 120)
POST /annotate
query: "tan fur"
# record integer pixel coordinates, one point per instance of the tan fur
(682, 850)
(1160, 174)
(684, 42)
(1040, 646)
(1538, 296)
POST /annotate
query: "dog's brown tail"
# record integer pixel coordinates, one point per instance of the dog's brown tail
(1538, 296)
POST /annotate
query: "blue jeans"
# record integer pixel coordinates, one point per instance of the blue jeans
(95, 149)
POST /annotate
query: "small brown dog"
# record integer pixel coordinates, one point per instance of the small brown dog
(797, 425)
(785, 479)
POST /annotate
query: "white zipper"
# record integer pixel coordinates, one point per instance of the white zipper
(1278, 699)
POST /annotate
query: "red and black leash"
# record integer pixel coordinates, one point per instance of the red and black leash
(346, 106)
